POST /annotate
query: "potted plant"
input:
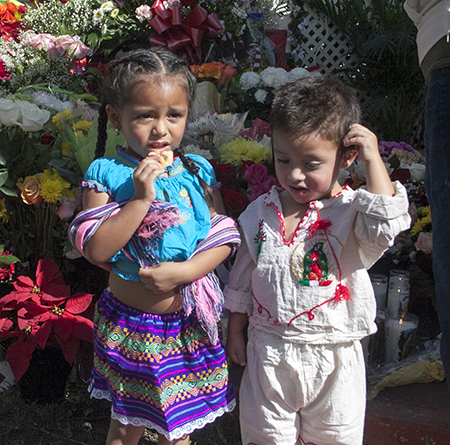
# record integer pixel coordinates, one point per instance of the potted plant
(41, 317)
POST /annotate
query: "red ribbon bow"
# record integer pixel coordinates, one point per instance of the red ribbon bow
(172, 31)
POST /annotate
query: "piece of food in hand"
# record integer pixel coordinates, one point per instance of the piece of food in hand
(165, 157)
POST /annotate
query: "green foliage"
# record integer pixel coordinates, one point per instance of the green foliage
(382, 37)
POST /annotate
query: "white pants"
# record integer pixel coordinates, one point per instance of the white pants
(302, 394)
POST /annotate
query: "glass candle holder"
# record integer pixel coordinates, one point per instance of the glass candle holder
(398, 292)
(380, 286)
(400, 336)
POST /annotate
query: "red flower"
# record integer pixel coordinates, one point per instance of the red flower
(224, 172)
(47, 139)
(233, 201)
(4, 75)
(400, 174)
(6, 268)
(36, 312)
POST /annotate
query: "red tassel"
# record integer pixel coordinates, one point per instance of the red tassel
(342, 293)
(320, 224)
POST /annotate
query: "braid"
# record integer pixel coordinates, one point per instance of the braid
(101, 132)
(192, 167)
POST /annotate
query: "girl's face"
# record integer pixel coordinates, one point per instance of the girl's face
(307, 167)
(154, 119)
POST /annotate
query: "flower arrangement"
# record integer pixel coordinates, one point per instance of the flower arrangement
(40, 313)
(39, 172)
(255, 91)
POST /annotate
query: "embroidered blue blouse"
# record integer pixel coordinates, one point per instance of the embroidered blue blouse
(115, 177)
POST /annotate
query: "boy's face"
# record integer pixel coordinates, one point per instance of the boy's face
(307, 167)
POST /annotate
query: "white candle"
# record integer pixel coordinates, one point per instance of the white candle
(400, 337)
(379, 284)
(398, 293)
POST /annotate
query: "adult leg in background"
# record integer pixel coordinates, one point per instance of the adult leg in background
(437, 184)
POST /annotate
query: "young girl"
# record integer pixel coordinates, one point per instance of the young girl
(148, 216)
(300, 276)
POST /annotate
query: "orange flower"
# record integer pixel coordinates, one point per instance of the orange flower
(30, 190)
(8, 12)
(228, 72)
(207, 70)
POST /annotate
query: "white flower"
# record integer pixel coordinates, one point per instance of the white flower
(274, 77)
(249, 80)
(297, 73)
(108, 6)
(33, 118)
(196, 150)
(114, 13)
(260, 96)
(143, 12)
(49, 101)
(97, 16)
(10, 112)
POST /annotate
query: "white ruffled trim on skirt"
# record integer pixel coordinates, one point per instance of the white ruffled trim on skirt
(178, 433)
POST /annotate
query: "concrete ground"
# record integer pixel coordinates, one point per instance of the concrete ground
(415, 414)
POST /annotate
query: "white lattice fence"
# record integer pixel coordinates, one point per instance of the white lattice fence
(325, 45)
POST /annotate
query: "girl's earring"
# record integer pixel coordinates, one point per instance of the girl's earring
(117, 131)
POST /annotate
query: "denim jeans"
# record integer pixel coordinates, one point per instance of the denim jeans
(437, 184)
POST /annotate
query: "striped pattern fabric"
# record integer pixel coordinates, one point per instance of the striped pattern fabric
(203, 296)
(159, 371)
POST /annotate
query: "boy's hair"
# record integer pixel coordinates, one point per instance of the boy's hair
(131, 70)
(319, 105)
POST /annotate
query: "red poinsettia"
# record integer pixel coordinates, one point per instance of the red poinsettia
(42, 312)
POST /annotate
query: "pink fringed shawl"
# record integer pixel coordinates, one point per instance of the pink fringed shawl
(204, 296)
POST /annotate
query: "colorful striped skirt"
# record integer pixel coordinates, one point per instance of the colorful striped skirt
(159, 371)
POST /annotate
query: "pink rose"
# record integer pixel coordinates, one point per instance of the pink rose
(67, 207)
(55, 52)
(64, 41)
(255, 173)
(258, 130)
(425, 242)
(258, 180)
(79, 50)
(41, 41)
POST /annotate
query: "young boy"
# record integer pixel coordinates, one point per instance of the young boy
(300, 277)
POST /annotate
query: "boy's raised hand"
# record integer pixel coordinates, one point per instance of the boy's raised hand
(364, 141)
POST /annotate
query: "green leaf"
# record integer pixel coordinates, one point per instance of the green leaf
(7, 260)
(394, 161)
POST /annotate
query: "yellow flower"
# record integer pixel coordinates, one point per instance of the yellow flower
(65, 149)
(241, 149)
(53, 186)
(417, 227)
(79, 134)
(62, 116)
(3, 212)
(82, 125)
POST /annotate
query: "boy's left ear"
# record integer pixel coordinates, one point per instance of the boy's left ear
(348, 158)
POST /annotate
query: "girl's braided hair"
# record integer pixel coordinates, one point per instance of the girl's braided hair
(126, 73)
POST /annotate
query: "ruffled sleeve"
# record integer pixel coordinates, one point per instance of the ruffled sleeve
(97, 176)
(379, 220)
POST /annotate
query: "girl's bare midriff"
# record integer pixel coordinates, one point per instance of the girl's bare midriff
(137, 296)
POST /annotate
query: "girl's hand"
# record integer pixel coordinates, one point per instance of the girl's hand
(364, 141)
(144, 177)
(160, 278)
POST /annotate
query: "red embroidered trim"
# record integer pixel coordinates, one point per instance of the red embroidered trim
(289, 241)
(342, 293)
